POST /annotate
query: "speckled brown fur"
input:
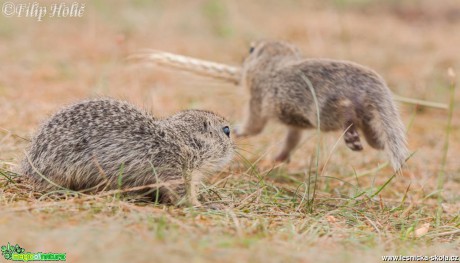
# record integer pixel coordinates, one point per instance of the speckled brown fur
(96, 144)
(350, 98)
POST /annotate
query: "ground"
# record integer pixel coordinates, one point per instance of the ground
(354, 208)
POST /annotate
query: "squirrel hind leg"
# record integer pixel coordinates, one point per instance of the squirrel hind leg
(372, 135)
(351, 137)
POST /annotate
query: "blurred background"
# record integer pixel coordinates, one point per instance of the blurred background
(50, 63)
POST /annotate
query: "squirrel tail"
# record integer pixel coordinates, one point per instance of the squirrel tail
(391, 132)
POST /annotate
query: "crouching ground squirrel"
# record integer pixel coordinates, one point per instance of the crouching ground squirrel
(106, 144)
(349, 97)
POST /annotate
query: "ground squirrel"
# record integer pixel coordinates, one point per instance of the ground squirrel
(109, 144)
(349, 96)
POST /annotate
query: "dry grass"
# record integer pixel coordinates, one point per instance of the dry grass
(355, 214)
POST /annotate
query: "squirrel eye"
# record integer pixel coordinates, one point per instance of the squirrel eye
(251, 49)
(226, 130)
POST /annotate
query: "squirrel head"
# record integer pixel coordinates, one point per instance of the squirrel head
(207, 135)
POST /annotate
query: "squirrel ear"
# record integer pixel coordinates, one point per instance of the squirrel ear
(252, 46)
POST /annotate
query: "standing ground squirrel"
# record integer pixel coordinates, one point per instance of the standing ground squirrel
(105, 144)
(349, 97)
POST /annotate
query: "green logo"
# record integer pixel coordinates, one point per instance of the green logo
(17, 253)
